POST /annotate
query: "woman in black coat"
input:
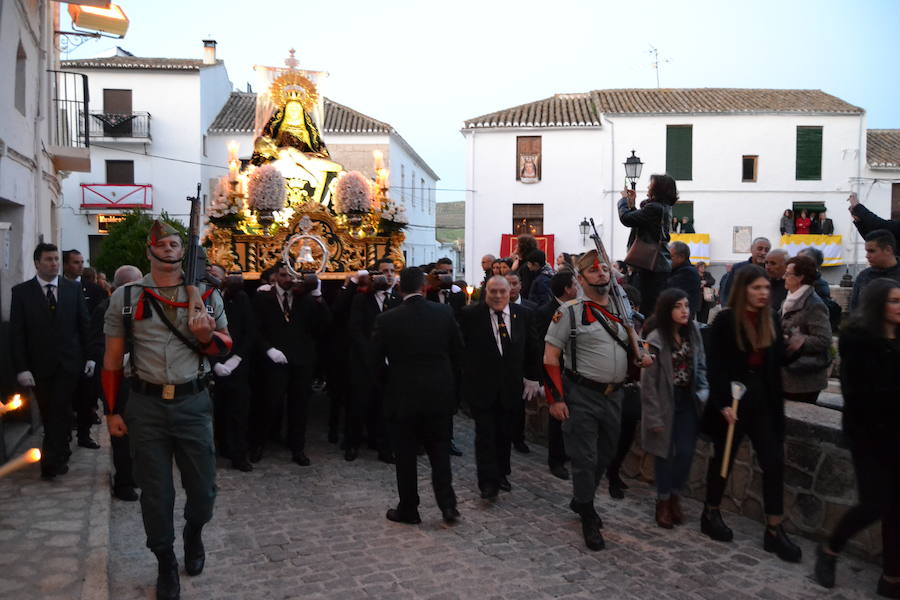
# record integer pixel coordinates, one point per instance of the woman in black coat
(651, 223)
(870, 383)
(746, 345)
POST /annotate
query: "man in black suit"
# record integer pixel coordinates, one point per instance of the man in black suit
(500, 368)
(515, 297)
(563, 288)
(366, 395)
(84, 401)
(419, 349)
(289, 325)
(49, 332)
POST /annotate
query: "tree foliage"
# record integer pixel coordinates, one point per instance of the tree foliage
(126, 243)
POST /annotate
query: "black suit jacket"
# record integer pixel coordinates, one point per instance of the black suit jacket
(43, 342)
(456, 301)
(296, 338)
(363, 312)
(421, 341)
(93, 295)
(242, 329)
(487, 375)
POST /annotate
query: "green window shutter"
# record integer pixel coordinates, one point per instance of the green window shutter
(679, 151)
(809, 153)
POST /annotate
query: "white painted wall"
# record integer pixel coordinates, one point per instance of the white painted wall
(582, 174)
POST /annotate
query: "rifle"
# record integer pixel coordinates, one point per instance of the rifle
(195, 261)
(619, 299)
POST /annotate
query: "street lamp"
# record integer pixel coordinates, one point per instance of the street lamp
(584, 227)
(633, 166)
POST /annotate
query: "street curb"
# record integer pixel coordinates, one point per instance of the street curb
(96, 580)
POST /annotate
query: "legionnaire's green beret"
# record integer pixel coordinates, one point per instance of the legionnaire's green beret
(159, 230)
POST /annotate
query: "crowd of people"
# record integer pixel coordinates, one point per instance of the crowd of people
(398, 354)
(806, 223)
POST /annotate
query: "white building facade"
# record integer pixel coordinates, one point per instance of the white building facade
(351, 138)
(740, 158)
(148, 136)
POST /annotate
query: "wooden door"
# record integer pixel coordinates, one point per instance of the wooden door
(117, 102)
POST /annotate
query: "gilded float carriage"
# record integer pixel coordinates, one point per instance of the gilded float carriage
(290, 202)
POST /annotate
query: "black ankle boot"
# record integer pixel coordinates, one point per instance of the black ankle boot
(590, 526)
(888, 589)
(776, 540)
(826, 565)
(168, 586)
(711, 524)
(194, 553)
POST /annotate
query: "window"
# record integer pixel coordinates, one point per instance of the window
(21, 60)
(117, 102)
(204, 148)
(528, 218)
(748, 168)
(682, 209)
(120, 172)
(528, 159)
(679, 151)
(809, 153)
(895, 201)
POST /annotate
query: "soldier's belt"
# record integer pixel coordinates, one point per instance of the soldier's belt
(597, 386)
(168, 391)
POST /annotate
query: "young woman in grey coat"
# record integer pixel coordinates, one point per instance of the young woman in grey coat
(673, 391)
(807, 331)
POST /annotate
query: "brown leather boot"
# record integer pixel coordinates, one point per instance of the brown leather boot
(675, 505)
(664, 513)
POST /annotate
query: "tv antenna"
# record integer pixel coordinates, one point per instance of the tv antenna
(655, 52)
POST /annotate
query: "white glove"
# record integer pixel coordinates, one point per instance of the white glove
(89, 367)
(25, 379)
(455, 289)
(532, 389)
(221, 369)
(360, 273)
(276, 356)
(232, 363)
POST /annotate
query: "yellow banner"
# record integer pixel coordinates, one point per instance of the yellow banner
(698, 242)
(830, 245)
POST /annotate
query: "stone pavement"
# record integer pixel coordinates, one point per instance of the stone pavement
(285, 531)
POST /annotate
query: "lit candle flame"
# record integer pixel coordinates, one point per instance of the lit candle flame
(29, 457)
(34, 455)
(378, 155)
(15, 403)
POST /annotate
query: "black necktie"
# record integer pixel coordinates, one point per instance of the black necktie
(503, 331)
(286, 306)
(51, 299)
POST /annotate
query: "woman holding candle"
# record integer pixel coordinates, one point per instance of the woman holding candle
(870, 383)
(746, 346)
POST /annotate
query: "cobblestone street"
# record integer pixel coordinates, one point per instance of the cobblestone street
(285, 531)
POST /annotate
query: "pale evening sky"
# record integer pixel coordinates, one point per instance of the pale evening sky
(424, 67)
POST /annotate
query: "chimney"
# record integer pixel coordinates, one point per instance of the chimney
(209, 52)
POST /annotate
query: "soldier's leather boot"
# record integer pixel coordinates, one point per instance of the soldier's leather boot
(194, 553)
(590, 526)
(168, 587)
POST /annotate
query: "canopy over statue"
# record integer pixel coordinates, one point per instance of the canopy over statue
(290, 202)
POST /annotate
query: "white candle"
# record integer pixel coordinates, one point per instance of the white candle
(379, 159)
(15, 403)
(31, 456)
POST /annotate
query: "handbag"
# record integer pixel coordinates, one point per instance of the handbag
(810, 363)
(642, 255)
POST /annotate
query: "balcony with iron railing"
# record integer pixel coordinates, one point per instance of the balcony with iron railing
(69, 144)
(123, 127)
(109, 197)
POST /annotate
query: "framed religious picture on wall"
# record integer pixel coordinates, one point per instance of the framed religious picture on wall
(528, 158)
(741, 239)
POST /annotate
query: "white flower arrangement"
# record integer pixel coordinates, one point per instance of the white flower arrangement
(222, 203)
(266, 189)
(352, 193)
(394, 212)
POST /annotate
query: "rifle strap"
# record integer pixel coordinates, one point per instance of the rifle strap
(573, 335)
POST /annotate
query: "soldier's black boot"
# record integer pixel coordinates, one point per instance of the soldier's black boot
(194, 553)
(776, 540)
(590, 526)
(168, 587)
(712, 524)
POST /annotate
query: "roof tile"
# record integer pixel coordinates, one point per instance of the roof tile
(883, 148)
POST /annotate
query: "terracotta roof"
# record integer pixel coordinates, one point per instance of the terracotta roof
(239, 116)
(883, 148)
(583, 110)
(137, 63)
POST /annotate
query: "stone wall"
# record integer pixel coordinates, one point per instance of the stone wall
(820, 484)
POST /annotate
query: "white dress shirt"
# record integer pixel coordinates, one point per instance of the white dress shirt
(54, 282)
(496, 326)
(284, 298)
(379, 298)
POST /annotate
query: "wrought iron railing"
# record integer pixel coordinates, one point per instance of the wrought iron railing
(109, 196)
(120, 125)
(69, 102)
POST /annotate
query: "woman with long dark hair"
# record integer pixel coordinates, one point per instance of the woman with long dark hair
(870, 383)
(673, 391)
(746, 346)
(650, 225)
(787, 222)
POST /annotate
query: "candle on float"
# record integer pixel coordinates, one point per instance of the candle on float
(469, 291)
(233, 148)
(31, 456)
(15, 403)
(234, 164)
(379, 160)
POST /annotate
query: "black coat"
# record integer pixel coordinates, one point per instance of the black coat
(96, 346)
(486, 374)
(421, 341)
(870, 384)
(686, 278)
(650, 223)
(866, 221)
(456, 301)
(726, 363)
(363, 312)
(242, 329)
(296, 338)
(93, 295)
(43, 342)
